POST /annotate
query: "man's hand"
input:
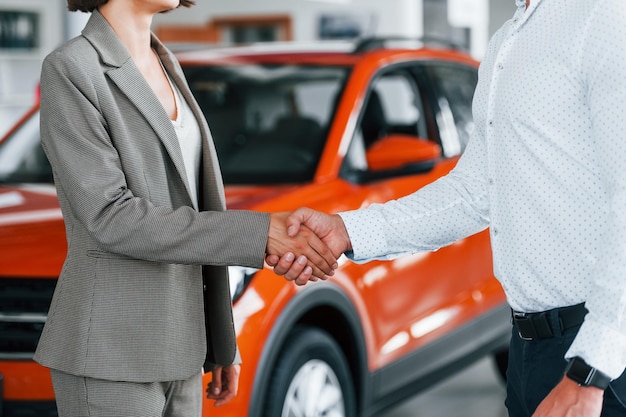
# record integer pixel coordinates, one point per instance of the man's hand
(224, 384)
(571, 400)
(329, 228)
(312, 256)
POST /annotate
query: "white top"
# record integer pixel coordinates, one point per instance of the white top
(545, 169)
(190, 140)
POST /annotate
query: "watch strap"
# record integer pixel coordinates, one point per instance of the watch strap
(585, 375)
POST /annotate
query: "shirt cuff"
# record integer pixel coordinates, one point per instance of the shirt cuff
(366, 231)
(602, 347)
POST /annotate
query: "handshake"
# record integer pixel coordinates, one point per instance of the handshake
(304, 245)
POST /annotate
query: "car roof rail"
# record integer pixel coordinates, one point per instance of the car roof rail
(375, 43)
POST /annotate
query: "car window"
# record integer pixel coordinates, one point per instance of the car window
(269, 122)
(398, 99)
(395, 105)
(392, 106)
(22, 159)
(454, 87)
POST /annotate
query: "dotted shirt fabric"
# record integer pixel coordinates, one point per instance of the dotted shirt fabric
(545, 169)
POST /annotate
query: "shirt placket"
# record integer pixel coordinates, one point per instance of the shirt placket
(495, 128)
(492, 130)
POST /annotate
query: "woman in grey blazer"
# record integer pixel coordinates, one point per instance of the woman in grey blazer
(142, 303)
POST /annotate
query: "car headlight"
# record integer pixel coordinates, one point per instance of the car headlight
(240, 277)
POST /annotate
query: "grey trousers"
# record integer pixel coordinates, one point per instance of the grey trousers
(79, 396)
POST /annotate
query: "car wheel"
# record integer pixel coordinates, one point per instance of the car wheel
(311, 378)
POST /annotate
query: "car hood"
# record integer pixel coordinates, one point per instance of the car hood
(25, 203)
(33, 243)
(248, 197)
(35, 203)
(31, 225)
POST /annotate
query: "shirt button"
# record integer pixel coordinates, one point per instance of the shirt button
(500, 66)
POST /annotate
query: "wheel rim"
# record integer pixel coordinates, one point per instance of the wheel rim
(314, 391)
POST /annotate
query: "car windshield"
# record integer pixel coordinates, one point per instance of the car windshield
(269, 122)
(22, 159)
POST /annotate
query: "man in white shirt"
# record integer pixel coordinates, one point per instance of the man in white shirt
(545, 171)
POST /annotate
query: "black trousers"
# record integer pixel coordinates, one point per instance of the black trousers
(536, 366)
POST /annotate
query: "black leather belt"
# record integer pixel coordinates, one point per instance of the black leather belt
(535, 326)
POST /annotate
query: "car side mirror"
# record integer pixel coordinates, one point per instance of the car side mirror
(397, 151)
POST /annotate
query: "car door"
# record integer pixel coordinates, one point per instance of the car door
(420, 297)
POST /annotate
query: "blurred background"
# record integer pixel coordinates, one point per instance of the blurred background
(30, 29)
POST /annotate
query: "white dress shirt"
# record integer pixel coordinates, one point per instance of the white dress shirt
(545, 169)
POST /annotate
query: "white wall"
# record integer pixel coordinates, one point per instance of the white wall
(19, 68)
(472, 14)
(499, 12)
(379, 17)
(388, 17)
(74, 23)
(19, 71)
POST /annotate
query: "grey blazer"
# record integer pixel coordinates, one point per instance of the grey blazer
(130, 302)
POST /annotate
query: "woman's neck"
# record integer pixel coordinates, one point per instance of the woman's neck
(131, 25)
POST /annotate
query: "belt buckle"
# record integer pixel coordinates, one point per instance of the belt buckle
(517, 316)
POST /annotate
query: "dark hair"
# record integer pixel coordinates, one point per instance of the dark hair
(91, 5)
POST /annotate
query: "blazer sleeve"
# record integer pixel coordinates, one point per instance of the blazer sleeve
(90, 179)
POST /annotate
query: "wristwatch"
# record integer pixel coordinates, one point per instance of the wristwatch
(585, 375)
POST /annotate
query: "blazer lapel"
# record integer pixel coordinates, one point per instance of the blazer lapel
(127, 77)
(211, 184)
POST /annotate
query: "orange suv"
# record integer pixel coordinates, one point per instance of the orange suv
(328, 126)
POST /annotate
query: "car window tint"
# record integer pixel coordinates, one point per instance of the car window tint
(398, 97)
(392, 106)
(269, 122)
(454, 87)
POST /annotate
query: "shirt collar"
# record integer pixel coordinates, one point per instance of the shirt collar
(522, 3)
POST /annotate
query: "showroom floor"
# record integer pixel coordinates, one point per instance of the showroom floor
(475, 392)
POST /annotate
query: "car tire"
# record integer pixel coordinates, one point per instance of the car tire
(311, 363)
